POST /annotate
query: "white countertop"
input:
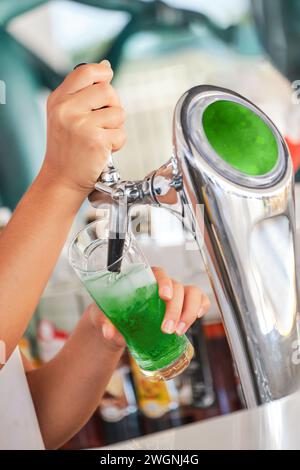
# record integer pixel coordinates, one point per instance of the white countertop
(272, 426)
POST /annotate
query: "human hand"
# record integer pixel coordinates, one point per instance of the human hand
(184, 304)
(84, 125)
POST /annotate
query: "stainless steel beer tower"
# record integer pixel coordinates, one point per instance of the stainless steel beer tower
(248, 241)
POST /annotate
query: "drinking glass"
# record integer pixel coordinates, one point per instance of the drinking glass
(130, 299)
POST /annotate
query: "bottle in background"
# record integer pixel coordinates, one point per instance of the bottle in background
(155, 398)
(200, 372)
(118, 400)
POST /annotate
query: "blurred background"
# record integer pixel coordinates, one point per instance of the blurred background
(158, 50)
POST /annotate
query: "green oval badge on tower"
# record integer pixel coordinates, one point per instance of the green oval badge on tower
(240, 137)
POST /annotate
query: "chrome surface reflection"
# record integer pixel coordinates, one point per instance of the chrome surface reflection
(249, 249)
(273, 426)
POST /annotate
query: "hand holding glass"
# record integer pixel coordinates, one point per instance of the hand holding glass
(130, 300)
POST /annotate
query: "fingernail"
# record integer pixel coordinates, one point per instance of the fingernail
(105, 62)
(166, 292)
(106, 331)
(169, 326)
(200, 313)
(180, 328)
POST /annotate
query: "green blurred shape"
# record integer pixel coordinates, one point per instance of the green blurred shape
(9, 9)
(21, 128)
(278, 27)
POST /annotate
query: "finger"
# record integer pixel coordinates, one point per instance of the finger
(116, 137)
(94, 97)
(193, 302)
(110, 333)
(206, 304)
(173, 309)
(86, 75)
(165, 284)
(95, 314)
(102, 322)
(108, 118)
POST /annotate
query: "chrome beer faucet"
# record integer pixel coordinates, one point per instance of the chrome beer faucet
(247, 240)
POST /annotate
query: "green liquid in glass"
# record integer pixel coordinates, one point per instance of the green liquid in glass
(240, 137)
(133, 305)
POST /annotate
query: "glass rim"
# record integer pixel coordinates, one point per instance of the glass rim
(128, 236)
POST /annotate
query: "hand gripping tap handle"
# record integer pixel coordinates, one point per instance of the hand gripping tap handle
(109, 175)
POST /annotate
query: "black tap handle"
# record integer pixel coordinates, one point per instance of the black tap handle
(79, 65)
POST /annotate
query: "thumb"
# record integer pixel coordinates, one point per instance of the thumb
(108, 330)
(102, 323)
(111, 334)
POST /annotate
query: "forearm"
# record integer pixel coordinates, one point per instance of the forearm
(29, 248)
(67, 390)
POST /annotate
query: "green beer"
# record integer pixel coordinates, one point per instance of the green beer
(131, 301)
